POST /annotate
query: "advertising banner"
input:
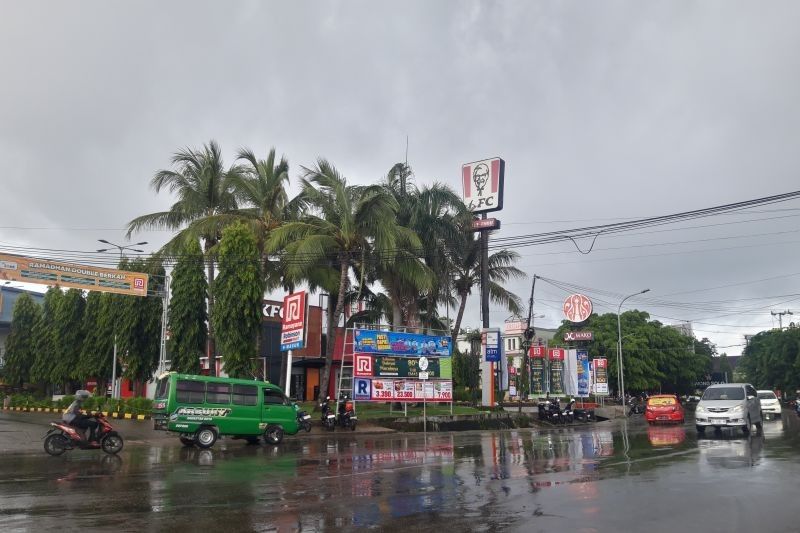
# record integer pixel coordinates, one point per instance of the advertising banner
(600, 376)
(293, 325)
(538, 352)
(537, 376)
(482, 183)
(401, 344)
(89, 278)
(490, 340)
(557, 371)
(584, 379)
(402, 390)
(401, 367)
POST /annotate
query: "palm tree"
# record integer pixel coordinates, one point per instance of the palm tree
(202, 184)
(344, 224)
(467, 275)
(414, 280)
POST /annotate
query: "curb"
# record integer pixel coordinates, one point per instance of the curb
(119, 416)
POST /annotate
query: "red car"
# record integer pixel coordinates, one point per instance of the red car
(664, 408)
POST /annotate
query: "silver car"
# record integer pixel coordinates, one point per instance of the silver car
(729, 405)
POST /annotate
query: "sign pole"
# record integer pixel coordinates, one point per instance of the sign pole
(485, 295)
(288, 373)
(114, 371)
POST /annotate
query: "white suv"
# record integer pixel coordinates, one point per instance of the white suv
(770, 405)
(729, 405)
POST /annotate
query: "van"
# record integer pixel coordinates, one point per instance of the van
(200, 409)
(729, 405)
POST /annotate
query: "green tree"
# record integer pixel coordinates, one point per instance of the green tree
(345, 224)
(203, 186)
(466, 265)
(240, 292)
(99, 321)
(69, 336)
(139, 324)
(771, 360)
(187, 311)
(46, 339)
(20, 344)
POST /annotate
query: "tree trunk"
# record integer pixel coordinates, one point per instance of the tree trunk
(457, 325)
(331, 340)
(212, 345)
(397, 314)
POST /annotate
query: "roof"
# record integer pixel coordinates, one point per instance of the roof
(233, 381)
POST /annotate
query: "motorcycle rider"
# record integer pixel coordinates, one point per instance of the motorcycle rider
(74, 417)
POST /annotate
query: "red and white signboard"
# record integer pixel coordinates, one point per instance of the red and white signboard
(557, 354)
(537, 352)
(293, 325)
(363, 365)
(483, 184)
(577, 308)
(410, 390)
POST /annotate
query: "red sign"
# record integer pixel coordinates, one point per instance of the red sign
(479, 224)
(600, 363)
(293, 325)
(537, 352)
(578, 336)
(577, 308)
(363, 365)
(483, 184)
(557, 354)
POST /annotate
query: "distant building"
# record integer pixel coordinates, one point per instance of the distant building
(685, 328)
(8, 298)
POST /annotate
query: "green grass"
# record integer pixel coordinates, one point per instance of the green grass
(368, 410)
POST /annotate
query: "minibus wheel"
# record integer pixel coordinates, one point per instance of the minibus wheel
(273, 434)
(205, 437)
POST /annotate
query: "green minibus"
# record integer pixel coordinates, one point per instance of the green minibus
(203, 408)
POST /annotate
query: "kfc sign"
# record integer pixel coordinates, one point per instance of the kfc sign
(293, 326)
(577, 308)
(483, 184)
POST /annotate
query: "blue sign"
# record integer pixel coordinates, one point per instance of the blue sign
(407, 344)
(491, 342)
(362, 389)
(583, 373)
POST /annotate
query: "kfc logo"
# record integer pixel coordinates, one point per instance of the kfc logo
(483, 184)
(363, 365)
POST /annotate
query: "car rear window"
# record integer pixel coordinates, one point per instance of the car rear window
(658, 402)
(767, 396)
(723, 393)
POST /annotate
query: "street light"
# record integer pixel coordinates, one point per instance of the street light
(114, 384)
(121, 248)
(619, 345)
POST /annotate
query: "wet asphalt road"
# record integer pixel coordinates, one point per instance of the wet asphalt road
(612, 476)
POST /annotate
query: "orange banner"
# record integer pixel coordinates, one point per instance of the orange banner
(46, 272)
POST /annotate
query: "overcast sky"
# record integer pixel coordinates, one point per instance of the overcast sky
(601, 110)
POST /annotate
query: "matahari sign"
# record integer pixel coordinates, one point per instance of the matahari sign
(46, 272)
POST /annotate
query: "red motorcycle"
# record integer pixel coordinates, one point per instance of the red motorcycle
(63, 437)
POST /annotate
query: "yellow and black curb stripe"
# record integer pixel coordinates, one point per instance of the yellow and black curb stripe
(125, 416)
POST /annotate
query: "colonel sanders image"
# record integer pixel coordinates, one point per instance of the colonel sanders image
(480, 177)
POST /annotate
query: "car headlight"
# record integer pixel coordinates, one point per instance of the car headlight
(700, 409)
(737, 409)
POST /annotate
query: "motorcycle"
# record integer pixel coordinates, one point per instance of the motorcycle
(328, 417)
(304, 420)
(63, 437)
(636, 407)
(568, 414)
(347, 414)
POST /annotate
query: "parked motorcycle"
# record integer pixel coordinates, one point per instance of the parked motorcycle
(63, 437)
(328, 416)
(347, 413)
(568, 414)
(636, 407)
(304, 420)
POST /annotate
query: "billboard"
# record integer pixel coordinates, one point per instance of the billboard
(600, 367)
(401, 344)
(490, 342)
(557, 356)
(89, 278)
(584, 380)
(482, 182)
(293, 325)
(401, 367)
(402, 390)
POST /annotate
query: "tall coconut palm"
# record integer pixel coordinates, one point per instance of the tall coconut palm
(202, 184)
(419, 273)
(344, 224)
(466, 262)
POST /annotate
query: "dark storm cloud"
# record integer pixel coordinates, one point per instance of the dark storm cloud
(601, 110)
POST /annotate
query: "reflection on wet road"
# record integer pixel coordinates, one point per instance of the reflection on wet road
(622, 476)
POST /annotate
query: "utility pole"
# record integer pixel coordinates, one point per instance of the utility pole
(780, 314)
(485, 294)
(526, 345)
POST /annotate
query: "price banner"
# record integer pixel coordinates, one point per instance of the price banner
(600, 376)
(557, 376)
(402, 390)
(537, 376)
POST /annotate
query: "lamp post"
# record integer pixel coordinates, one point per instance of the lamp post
(114, 384)
(619, 345)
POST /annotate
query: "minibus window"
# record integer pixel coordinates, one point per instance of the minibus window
(273, 397)
(219, 393)
(190, 391)
(245, 395)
